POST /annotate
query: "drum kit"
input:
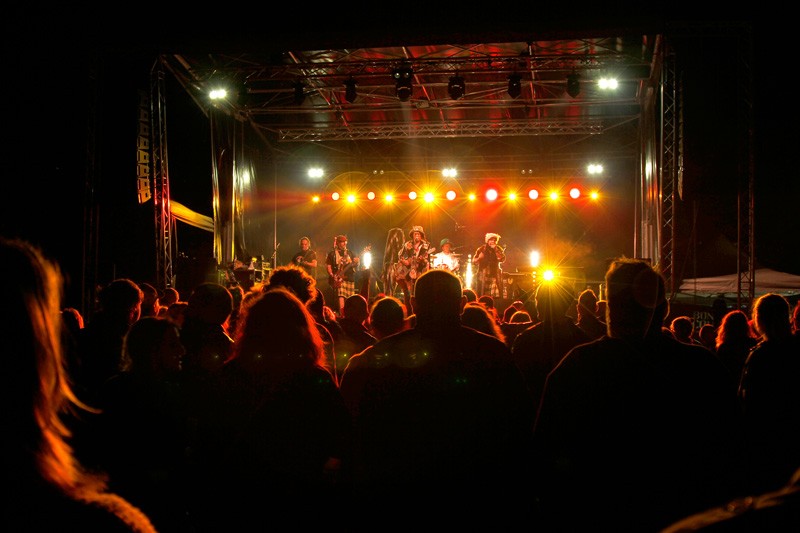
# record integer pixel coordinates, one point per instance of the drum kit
(444, 266)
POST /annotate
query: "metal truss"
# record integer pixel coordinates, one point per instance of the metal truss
(431, 130)
(164, 224)
(671, 178)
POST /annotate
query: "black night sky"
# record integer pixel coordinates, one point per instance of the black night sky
(56, 78)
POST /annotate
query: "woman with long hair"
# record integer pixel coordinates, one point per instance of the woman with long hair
(50, 490)
(283, 425)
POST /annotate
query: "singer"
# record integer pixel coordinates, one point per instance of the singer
(487, 259)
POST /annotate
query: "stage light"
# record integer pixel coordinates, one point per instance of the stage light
(351, 198)
(573, 85)
(335, 196)
(428, 197)
(350, 90)
(533, 194)
(548, 275)
(388, 198)
(456, 87)
(607, 83)
(594, 195)
(412, 195)
(554, 195)
(315, 172)
(512, 196)
(218, 94)
(534, 258)
(472, 196)
(403, 83)
(299, 93)
(451, 195)
(449, 172)
(514, 85)
(594, 168)
(315, 199)
(574, 193)
(371, 195)
(491, 194)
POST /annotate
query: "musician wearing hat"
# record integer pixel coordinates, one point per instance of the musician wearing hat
(413, 261)
(445, 258)
(487, 259)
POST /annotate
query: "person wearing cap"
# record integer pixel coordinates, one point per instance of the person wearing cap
(487, 259)
(341, 264)
(446, 259)
(413, 261)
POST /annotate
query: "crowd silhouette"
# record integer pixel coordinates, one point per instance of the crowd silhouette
(262, 409)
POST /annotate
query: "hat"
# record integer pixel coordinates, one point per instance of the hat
(416, 228)
(443, 242)
(340, 238)
(492, 236)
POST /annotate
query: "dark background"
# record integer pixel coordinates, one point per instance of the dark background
(71, 92)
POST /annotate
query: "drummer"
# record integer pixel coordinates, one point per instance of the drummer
(446, 259)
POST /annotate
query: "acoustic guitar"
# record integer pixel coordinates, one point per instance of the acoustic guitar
(410, 271)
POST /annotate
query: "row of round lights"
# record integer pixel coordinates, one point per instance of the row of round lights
(490, 195)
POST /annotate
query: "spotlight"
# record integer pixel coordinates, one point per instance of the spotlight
(573, 85)
(403, 75)
(514, 85)
(350, 90)
(299, 93)
(455, 88)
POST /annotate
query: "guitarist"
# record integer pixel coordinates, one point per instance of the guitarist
(412, 262)
(306, 258)
(341, 264)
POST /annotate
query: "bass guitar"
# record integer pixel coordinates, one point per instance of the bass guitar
(336, 280)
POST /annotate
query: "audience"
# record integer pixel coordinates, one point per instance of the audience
(49, 490)
(588, 320)
(386, 317)
(538, 349)
(236, 411)
(442, 423)
(479, 318)
(770, 396)
(100, 342)
(355, 335)
(635, 430)
(682, 328)
(140, 436)
(735, 339)
(278, 428)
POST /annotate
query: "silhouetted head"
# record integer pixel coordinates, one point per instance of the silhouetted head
(294, 278)
(553, 300)
(277, 331)
(636, 299)
(387, 316)
(437, 296)
(771, 316)
(210, 303)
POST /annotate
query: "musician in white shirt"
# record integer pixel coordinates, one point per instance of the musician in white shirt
(446, 259)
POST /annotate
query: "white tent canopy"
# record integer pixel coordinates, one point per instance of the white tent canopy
(766, 281)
